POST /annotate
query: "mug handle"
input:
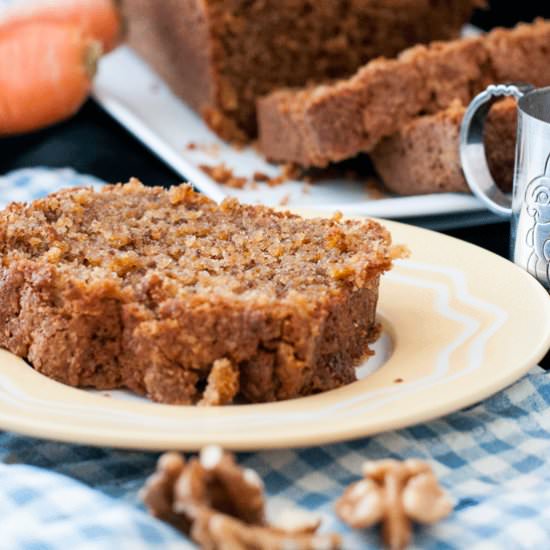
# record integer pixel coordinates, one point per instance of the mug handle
(472, 150)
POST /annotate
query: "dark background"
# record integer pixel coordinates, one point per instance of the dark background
(93, 143)
(507, 14)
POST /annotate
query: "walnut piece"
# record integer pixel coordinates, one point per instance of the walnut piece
(216, 482)
(222, 506)
(395, 494)
(222, 532)
(158, 491)
(296, 520)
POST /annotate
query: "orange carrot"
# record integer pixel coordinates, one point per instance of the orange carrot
(100, 19)
(45, 74)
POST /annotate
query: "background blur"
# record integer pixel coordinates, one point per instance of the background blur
(509, 13)
(93, 143)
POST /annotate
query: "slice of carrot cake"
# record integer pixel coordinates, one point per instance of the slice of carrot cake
(175, 297)
(424, 157)
(321, 124)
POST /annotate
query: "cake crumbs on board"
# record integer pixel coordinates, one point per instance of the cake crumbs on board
(284, 200)
(223, 175)
(374, 189)
(210, 149)
(260, 177)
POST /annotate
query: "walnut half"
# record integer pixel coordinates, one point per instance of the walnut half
(222, 506)
(395, 494)
(221, 532)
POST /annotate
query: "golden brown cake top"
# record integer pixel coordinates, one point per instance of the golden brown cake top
(130, 233)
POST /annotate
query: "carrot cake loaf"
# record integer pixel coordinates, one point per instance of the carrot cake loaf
(185, 301)
(220, 56)
(318, 125)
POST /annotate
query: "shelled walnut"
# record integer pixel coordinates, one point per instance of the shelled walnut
(395, 494)
(222, 506)
(158, 491)
(222, 532)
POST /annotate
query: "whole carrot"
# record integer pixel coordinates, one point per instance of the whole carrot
(45, 73)
(100, 19)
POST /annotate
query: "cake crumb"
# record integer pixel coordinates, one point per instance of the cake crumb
(400, 252)
(223, 175)
(289, 171)
(222, 383)
(273, 182)
(210, 149)
(374, 189)
(284, 200)
(260, 176)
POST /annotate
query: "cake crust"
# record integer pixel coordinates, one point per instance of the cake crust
(148, 289)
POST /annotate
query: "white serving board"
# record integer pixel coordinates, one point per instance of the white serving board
(134, 94)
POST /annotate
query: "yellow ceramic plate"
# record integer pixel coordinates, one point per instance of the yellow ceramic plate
(460, 324)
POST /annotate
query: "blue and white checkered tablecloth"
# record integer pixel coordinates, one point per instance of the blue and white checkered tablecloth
(493, 458)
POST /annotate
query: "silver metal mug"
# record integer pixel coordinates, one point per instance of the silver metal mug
(529, 207)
